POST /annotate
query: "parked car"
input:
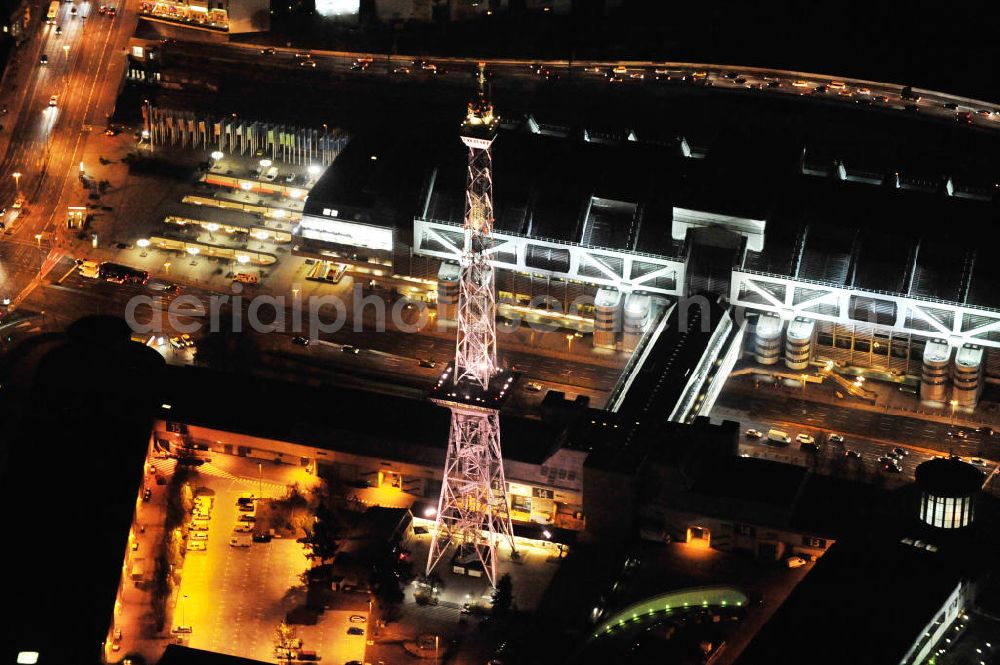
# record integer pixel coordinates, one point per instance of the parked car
(198, 535)
(354, 630)
(794, 562)
(197, 545)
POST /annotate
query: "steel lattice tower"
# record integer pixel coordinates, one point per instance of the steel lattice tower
(472, 511)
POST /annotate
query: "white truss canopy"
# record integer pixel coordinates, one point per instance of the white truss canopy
(790, 297)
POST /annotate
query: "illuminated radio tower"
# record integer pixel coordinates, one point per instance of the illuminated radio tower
(472, 511)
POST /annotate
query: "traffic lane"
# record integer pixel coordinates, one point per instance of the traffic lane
(870, 447)
(899, 428)
(792, 83)
(84, 296)
(48, 140)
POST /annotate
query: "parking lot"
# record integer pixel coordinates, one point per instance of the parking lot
(233, 598)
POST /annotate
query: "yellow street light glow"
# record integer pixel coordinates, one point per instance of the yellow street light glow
(264, 163)
(142, 242)
(193, 251)
(212, 227)
(243, 258)
(217, 154)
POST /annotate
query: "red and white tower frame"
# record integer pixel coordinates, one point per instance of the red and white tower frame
(473, 512)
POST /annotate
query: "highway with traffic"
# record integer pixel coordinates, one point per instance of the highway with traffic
(753, 80)
(60, 90)
(870, 433)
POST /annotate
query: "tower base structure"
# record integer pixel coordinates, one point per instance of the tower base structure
(473, 513)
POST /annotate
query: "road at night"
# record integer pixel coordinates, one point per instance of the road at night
(46, 141)
(76, 296)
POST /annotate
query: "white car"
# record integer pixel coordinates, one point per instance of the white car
(239, 542)
(794, 562)
(805, 438)
(754, 434)
(835, 438)
(243, 527)
(197, 546)
(54, 100)
(198, 535)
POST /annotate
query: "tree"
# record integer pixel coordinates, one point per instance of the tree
(503, 596)
(285, 639)
(322, 539)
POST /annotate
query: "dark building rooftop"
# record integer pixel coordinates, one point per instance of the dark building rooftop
(866, 598)
(77, 412)
(949, 478)
(175, 654)
(352, 420)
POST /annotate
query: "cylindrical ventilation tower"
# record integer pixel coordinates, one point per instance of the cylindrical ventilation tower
(798, 343)
(934, 376)
(967, 376)
(767, 340)
(948, 491)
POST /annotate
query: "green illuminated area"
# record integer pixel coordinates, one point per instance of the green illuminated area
(715, 597)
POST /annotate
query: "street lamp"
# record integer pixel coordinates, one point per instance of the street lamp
(193, 251)
(313, 170)
(260, 480)
(953, 404)
(143, 244)
(216, 155)
(17, 182)
(184, 610)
